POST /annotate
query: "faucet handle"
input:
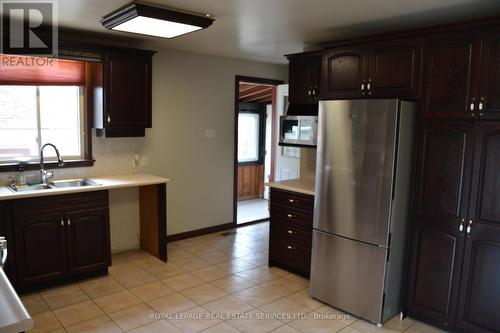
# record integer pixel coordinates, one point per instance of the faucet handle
(49, 174)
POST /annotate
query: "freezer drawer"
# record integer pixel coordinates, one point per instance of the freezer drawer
(348, 275)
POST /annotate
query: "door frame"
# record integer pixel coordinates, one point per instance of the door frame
(249, 79)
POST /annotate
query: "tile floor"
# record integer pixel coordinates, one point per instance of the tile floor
(252, 210)
(207, 286)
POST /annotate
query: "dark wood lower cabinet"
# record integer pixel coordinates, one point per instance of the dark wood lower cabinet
(435, 270)
(479, 309)
(290, 238)
(88, 240)
(57, 243)
(40, 245)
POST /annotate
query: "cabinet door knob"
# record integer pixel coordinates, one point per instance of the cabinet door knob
(469, 227)
(291, 200)
(290, 247)
(480, 107)
(290, 232)
(109, 118)
(461, 227)
(363, 86)
(62, 222)
(69, 222)
(368, 86)
(289, 215)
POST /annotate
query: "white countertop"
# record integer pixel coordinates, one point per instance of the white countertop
(304, 185)
(104, 183)
(13, 315)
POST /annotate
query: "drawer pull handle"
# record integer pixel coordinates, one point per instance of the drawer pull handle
(289, 215)
(291, 200)
(290, 232)
(290, 247)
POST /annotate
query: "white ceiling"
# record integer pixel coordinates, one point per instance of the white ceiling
(265, 30)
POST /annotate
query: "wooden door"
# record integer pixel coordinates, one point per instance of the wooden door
(40, 246)
(250, 181)
(443, 186)
(345, 73)
(452, 75)
(490, 75)
(88, 240)
(480, 290)
(304, 77)
(128, 90)
(395, 68)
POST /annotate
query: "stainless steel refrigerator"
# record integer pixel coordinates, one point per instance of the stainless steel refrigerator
(364, 169)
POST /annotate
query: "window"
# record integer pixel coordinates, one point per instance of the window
(31, 116)
(248, 137)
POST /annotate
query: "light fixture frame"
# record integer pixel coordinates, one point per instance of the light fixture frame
(136, 9)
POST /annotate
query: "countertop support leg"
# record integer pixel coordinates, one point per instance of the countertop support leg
(153, 220)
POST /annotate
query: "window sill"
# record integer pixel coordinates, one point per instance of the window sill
(12, 167)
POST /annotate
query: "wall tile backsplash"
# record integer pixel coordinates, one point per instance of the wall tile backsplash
(112, 156)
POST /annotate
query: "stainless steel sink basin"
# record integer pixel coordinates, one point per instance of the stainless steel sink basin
(80, 182)
(27, 188)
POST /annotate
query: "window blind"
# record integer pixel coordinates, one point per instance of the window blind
(27, 70)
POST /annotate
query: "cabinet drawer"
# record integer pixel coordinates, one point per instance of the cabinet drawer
(286, 215)
(292, 200)
(59, 204)
(291, 232)
(290, 254)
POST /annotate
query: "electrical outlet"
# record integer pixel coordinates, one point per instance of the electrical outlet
(144, 160)
(135, 160)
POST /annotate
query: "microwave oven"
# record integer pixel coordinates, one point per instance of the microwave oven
(298, 131)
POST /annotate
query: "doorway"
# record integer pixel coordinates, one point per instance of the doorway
(255, 130)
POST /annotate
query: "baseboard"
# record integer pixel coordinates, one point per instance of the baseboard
(200, 232)
(210, 230)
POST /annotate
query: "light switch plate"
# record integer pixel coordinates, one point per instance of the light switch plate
(210, 133)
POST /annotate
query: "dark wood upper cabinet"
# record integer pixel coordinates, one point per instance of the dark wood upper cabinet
(384, 69)
(121, 93)
(444, 169)
(452, 75)
(489, 95)
(88, 240)
(480, 289)
(486, 203)
(40, 246)
(304, 78)
(345, 72)
(395, 68)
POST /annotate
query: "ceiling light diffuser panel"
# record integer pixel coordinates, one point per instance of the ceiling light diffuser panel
(150, 20)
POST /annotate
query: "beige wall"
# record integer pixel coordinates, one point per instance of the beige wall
(192, 93)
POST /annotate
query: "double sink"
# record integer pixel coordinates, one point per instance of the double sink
(79, 182)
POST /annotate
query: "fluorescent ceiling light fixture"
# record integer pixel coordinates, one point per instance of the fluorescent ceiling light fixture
(150, 20)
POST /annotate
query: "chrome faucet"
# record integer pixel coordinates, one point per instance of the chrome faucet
(46, 175)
